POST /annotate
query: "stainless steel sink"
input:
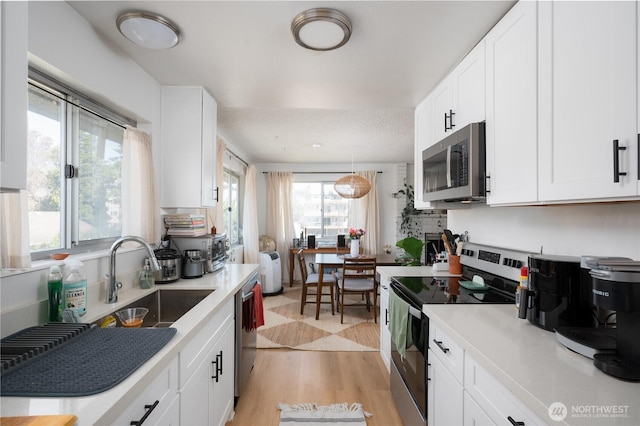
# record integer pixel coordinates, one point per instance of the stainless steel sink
(165, 306)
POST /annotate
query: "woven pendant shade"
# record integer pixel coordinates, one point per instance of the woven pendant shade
(352, 186)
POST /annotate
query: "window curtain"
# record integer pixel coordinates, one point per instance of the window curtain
(141, 209)
(215, 216)
(279, 214)
(250, 233)
(367, 215)
(14, 230)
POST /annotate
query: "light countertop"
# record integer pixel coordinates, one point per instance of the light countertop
(100, 408)
(538, 370)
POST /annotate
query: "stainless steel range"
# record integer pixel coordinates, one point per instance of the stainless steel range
(489, 275)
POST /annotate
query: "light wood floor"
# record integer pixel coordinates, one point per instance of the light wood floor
(293, 377)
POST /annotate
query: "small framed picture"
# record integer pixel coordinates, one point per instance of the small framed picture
(296, 242)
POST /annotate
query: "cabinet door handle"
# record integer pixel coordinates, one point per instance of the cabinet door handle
(513, 422)
(441, 346)
(445, 122)
(216, 371)
(386, 317)
(451, 114)
(638, 151)
(616, 160)
(149, 409)
(219, 357)
(487, 187)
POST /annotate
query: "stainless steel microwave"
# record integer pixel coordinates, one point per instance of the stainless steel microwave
(453, 170)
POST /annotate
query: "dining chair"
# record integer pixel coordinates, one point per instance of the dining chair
(358, 276)
(311, 280)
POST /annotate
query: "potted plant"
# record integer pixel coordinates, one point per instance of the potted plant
(413, 248)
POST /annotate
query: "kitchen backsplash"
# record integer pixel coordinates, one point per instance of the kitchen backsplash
(605, 229)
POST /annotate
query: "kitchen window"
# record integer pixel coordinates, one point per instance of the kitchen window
(231, 206)
(319, 210)
(74, 157)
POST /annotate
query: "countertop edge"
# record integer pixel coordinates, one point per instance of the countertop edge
(91, 409)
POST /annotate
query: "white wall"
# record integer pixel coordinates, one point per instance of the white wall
(64, 45)
(386, 183)
(607, 229)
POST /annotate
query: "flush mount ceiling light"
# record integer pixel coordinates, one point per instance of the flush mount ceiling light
(321, 29)
(148, 30)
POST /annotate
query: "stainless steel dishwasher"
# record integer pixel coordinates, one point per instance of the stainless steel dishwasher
(245, 336)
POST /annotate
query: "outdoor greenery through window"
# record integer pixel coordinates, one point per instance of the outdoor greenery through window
(319, 210)
(74, 159)
(231, 206)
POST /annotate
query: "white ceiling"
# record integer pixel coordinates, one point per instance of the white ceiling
(276, 99)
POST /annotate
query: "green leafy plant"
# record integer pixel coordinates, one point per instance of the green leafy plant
(413, 251)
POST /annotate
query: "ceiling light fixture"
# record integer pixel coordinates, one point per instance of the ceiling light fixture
(352, 186)
(321, 29)
(148, 30)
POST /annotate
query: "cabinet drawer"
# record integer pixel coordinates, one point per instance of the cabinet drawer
(448, 351)
(162, 389)
(193, 354)
(495, 399)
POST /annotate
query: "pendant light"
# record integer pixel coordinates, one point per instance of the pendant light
(352, 186)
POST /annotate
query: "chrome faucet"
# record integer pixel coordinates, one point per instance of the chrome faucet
(113, 285)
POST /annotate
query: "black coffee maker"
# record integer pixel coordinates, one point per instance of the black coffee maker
(616, 286)
(556, 296)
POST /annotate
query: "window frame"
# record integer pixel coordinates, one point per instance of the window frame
(324, 181)
(234, 239)
(74, 102)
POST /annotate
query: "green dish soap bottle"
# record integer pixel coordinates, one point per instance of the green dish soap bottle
(74, 288)
(54, 287)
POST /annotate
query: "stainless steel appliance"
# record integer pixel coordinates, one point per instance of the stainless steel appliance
(500, 271)
(192, 264)
(170, 263)
(246, 337)
(213, 249)
(556, 296)
(454, 169)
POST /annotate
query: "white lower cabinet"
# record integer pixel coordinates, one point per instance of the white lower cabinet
(459, 391)
(498, 404)
(473, 415)
(207, 372)
(445, 375)
(158, 404)
(385, 334)
(444, 406)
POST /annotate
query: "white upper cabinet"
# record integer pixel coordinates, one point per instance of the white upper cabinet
(423, 139)
(588, 88)
(188, 175)
(13, 95)
(457, 101)
(511, 127)
(460, 98)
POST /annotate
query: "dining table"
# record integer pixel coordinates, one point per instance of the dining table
(336, 260)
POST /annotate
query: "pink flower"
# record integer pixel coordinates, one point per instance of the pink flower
(356, 233)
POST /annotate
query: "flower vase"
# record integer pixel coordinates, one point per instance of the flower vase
(355, 248)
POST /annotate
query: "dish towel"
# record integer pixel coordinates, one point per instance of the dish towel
(258, 310)
(399, 323)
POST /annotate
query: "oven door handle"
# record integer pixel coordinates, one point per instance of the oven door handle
(414, 312)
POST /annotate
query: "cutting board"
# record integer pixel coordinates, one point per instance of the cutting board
(61, 420)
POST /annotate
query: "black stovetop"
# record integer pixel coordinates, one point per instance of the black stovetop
(437, 290)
